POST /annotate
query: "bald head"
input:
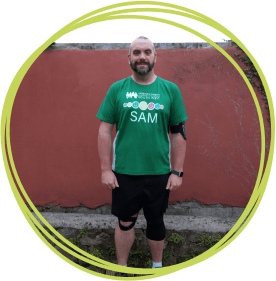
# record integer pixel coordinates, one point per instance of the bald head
(141, 39)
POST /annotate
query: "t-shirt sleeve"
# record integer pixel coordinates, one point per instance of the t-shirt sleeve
(178, 112)
(107, 109)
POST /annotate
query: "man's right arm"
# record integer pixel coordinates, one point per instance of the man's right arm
(104, 148)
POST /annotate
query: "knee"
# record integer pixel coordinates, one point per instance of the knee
(155, 228)
(127, 223)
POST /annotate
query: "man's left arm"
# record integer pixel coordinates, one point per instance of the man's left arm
(179, 152)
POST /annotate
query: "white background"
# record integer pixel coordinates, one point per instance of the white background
(116, 31)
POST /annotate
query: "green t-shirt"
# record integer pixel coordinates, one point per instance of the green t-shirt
(142, 114)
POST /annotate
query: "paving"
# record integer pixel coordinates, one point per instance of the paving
(176, 222)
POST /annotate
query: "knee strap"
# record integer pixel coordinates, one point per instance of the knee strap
(155, 228)
(125, 228)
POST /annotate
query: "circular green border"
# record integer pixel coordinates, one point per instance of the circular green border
(91, 18)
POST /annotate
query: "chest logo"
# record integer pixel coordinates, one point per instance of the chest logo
(143, 96)
(143, 105)
(131, 95)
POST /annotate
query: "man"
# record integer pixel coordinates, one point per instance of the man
(142, 106)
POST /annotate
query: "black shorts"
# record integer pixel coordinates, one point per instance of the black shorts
(136, 192)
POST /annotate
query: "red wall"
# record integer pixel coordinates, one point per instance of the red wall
(54, 128)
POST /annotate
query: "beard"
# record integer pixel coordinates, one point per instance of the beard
(142, 70)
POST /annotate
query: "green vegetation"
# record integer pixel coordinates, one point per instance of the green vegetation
(83, 232)
(148, 262)
(175, 238)
(166, 256)
(134, 261)
(92, 267)
(111, 251)
(97, 252)
(207, 240)
(189, 256)
(76, 240)
(204, 240)
(138, 256)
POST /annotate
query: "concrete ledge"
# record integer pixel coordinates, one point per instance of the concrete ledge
(117, 46)
(192, 208)
(179, 223)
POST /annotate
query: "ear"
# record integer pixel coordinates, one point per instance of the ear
(128, 56)
(155, 57)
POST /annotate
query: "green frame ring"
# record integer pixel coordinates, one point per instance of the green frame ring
(11, 170)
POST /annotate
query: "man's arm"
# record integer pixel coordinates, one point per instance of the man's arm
(179, 152)
(104, 148)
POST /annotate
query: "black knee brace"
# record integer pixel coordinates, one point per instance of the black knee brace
(130, 219)
(155, 228)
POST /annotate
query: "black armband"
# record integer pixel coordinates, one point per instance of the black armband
(179, 128)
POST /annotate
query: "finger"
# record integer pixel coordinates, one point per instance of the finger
(175, 187)
(116, 182)
(106, 186)
(109, 186)
(171, 187)
(168, 184)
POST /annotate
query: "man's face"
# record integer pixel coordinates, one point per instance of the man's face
(142, 57)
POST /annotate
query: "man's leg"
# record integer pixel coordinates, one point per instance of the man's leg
(156, 249)
(156, 236)
(124, 241)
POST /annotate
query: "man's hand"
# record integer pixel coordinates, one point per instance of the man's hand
(174, 182)
(109, 180)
